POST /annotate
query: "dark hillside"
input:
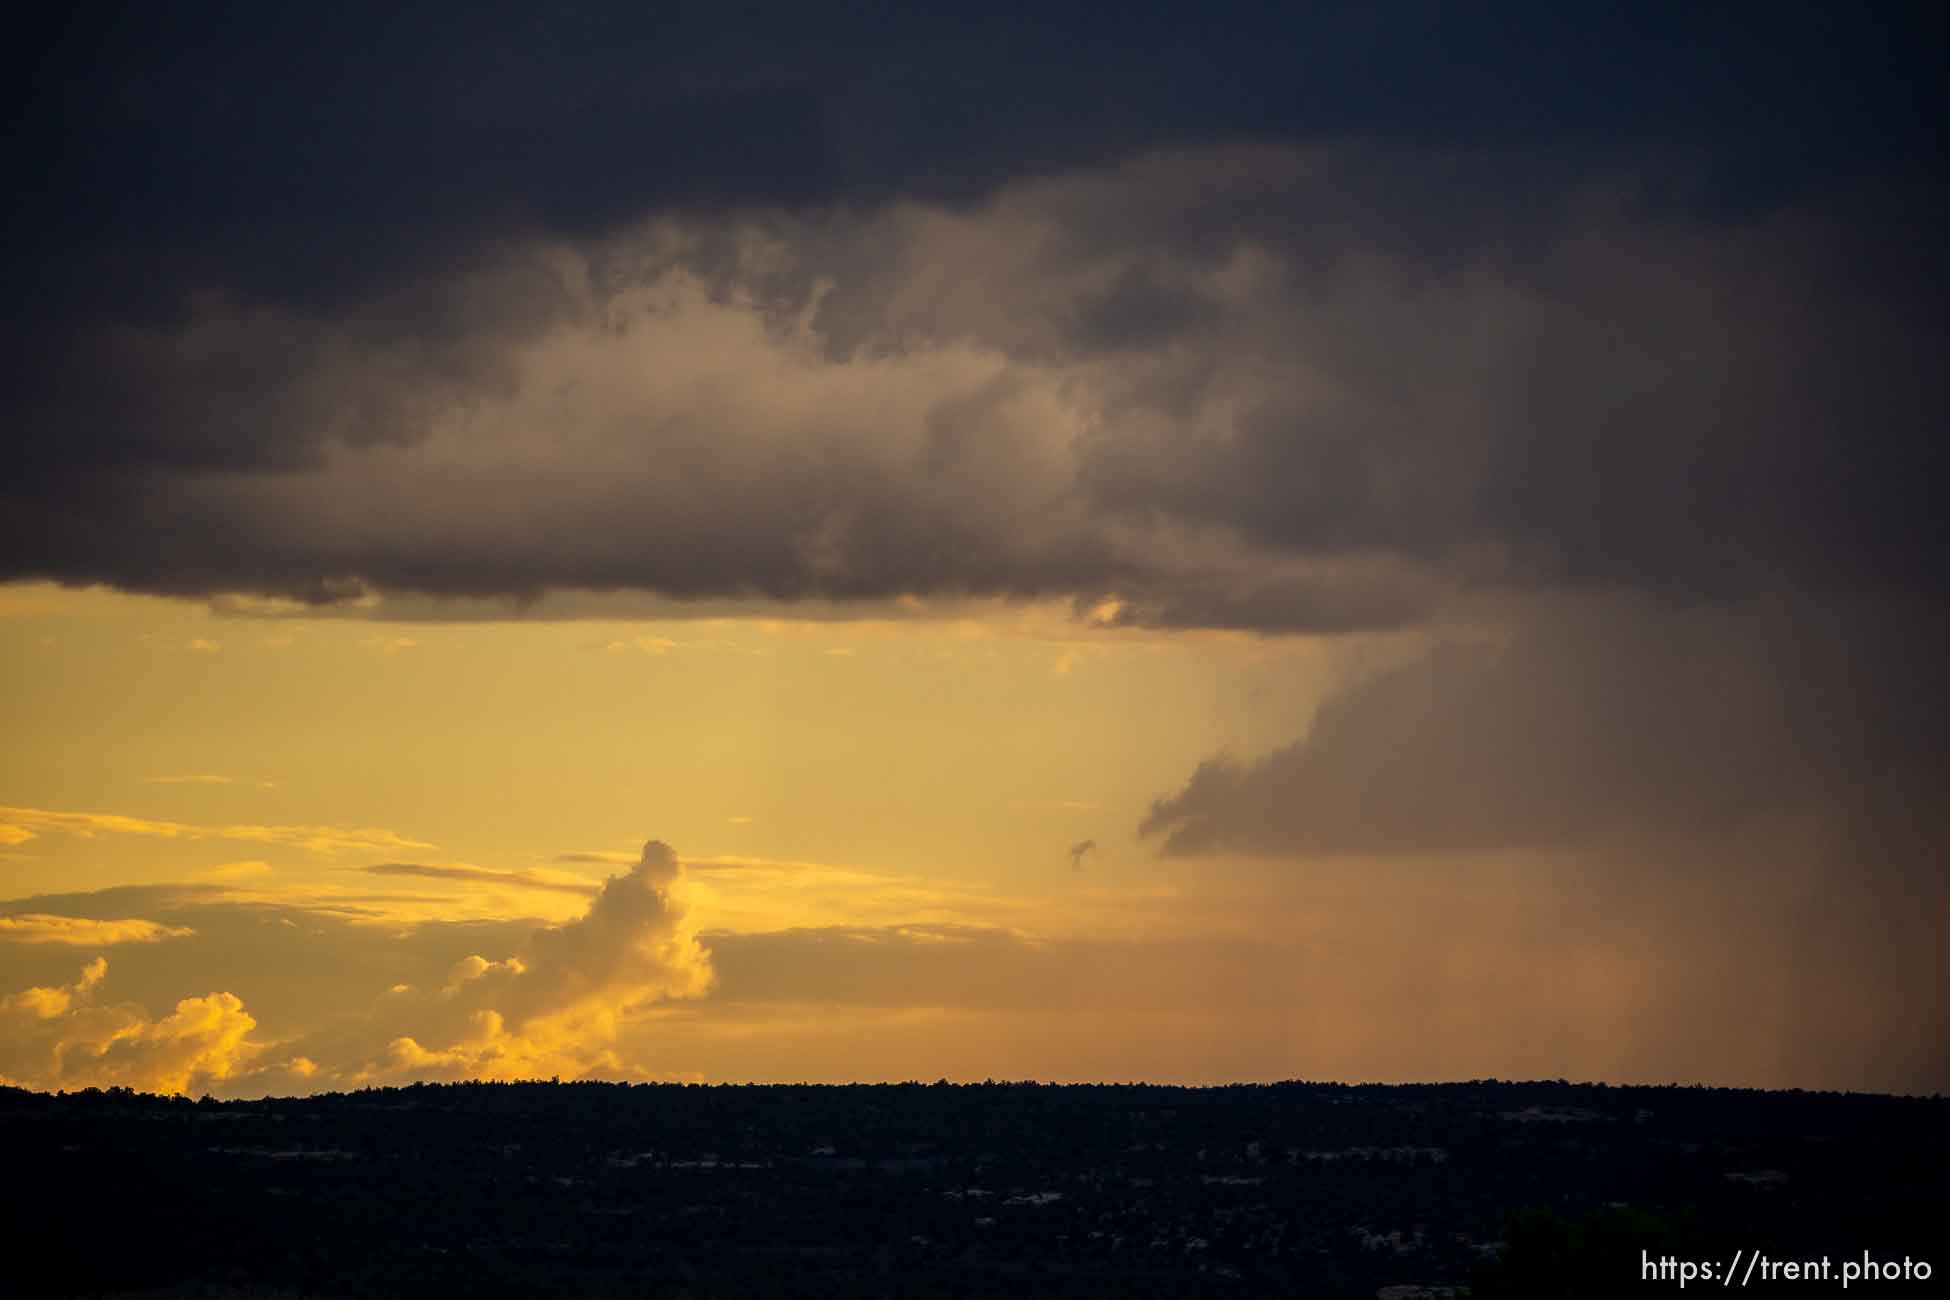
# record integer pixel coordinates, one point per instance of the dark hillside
(1306, 1189)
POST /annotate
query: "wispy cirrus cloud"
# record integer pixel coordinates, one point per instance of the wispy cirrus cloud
(745, 892)
(189, 778)
(755, 893)
(597, 857)
(86, 932)
(462, 872)
(324, 840)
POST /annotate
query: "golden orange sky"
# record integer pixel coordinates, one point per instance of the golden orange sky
(250, 854)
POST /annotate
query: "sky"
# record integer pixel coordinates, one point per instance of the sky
(1397, 541)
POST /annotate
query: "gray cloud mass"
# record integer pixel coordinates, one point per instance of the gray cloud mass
(1310, 413)
(1263, 317)
(1596, 720)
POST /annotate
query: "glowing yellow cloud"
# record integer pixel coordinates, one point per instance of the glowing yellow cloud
(749, 893)
(460, 872)
(48, 1003)
(59, 1038)
(554, 1008)
(83, 932)
(317, 839)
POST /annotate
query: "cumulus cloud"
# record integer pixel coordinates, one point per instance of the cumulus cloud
(50, 1003)
(554, 1007)
(333, 948)
(85, 932)
(66, 1037)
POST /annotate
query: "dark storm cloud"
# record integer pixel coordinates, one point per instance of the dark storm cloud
(1593, 726)
(1343, 431)
(229, 128)
(1741, 806)
(1243, 318)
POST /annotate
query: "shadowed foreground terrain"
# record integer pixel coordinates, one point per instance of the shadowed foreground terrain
(1302, 1189)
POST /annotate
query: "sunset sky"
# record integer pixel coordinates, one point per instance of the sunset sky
(1394, 541)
